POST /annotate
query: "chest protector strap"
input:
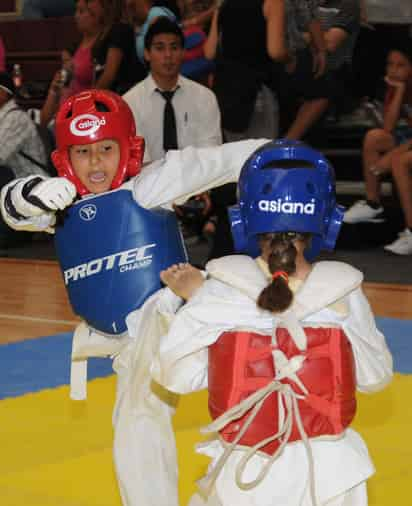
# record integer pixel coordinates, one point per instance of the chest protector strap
(253, 377)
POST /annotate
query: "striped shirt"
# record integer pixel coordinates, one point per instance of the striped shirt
(299, 15)
(18, 133)
(343, 14)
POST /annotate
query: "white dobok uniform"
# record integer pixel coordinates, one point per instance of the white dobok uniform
(144, 446)
(331, 294)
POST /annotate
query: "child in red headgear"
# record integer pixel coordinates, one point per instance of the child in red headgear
(99, 158)
(97, 125)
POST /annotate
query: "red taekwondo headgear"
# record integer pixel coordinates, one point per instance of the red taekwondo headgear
(79, 121)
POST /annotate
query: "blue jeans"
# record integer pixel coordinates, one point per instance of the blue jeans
(34, 9)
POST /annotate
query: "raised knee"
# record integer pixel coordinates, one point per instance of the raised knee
(375, 136)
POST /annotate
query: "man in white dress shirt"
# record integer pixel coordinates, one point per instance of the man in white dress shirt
(197, 115)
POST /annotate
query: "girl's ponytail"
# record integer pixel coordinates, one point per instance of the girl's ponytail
(278, 296)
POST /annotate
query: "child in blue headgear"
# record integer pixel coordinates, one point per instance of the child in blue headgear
(281, 343)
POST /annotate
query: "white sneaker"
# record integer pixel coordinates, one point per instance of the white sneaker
(362, 212)
(402, 245)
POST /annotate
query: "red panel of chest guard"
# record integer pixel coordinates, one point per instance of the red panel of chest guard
(241, 362)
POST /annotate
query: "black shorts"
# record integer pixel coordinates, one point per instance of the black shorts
(302, 84)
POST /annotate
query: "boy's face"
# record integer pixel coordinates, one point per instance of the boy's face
(96, 164)
(398, 67)
(165, 55)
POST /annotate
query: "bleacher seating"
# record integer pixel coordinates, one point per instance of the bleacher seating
(36, 45)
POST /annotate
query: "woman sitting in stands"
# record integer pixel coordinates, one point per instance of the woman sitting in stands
(105, 57)
(382, 147)
(116, 65)
(76, 74)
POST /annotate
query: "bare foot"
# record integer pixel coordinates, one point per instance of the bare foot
(182, 279)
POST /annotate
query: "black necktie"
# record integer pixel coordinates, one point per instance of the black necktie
(169, 121)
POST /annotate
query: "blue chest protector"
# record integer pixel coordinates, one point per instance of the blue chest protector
(111, 252)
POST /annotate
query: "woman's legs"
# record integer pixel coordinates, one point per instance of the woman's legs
(308, 114)
(376, 155)
(402, 175)
(376, 144)
(401, 172)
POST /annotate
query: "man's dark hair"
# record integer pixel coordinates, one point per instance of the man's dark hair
(163, 25)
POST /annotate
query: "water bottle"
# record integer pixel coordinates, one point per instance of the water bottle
(17, 76)
(66, 76)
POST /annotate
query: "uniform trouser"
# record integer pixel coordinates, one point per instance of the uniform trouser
(356, 496)
(144, 444)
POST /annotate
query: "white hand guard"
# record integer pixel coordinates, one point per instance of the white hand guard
(48, 195)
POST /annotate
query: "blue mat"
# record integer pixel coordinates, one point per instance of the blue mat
(36, 364)
(398, 335)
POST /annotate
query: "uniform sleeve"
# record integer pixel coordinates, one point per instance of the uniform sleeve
(374, 364)
(178, 366)
(182, 363)
(182, 174)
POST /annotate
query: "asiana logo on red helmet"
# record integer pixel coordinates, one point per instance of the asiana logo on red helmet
(86, 124)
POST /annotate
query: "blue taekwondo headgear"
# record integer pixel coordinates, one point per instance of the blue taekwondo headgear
(286, 186)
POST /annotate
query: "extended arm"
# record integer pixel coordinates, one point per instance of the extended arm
(191, 171)
(274, 12)
(111, 68)
(210, 46)
(393, 109)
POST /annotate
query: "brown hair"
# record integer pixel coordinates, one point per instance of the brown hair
(112, 14)
(277, 296)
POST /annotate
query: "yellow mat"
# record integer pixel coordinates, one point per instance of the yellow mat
(55, 452)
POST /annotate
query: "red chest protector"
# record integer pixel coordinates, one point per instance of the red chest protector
(241, 362)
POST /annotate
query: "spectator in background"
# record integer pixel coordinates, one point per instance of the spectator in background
(244, 37)
(2, 56)
(116, 65)
(299, 84)
(35, 9)
(197, 13)
(402, 175)
(78, 67)
(382, 146)
(155, 9)
(173, 112)
(340, 21)
(197, 116)
(21, 149)
(136, 12)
